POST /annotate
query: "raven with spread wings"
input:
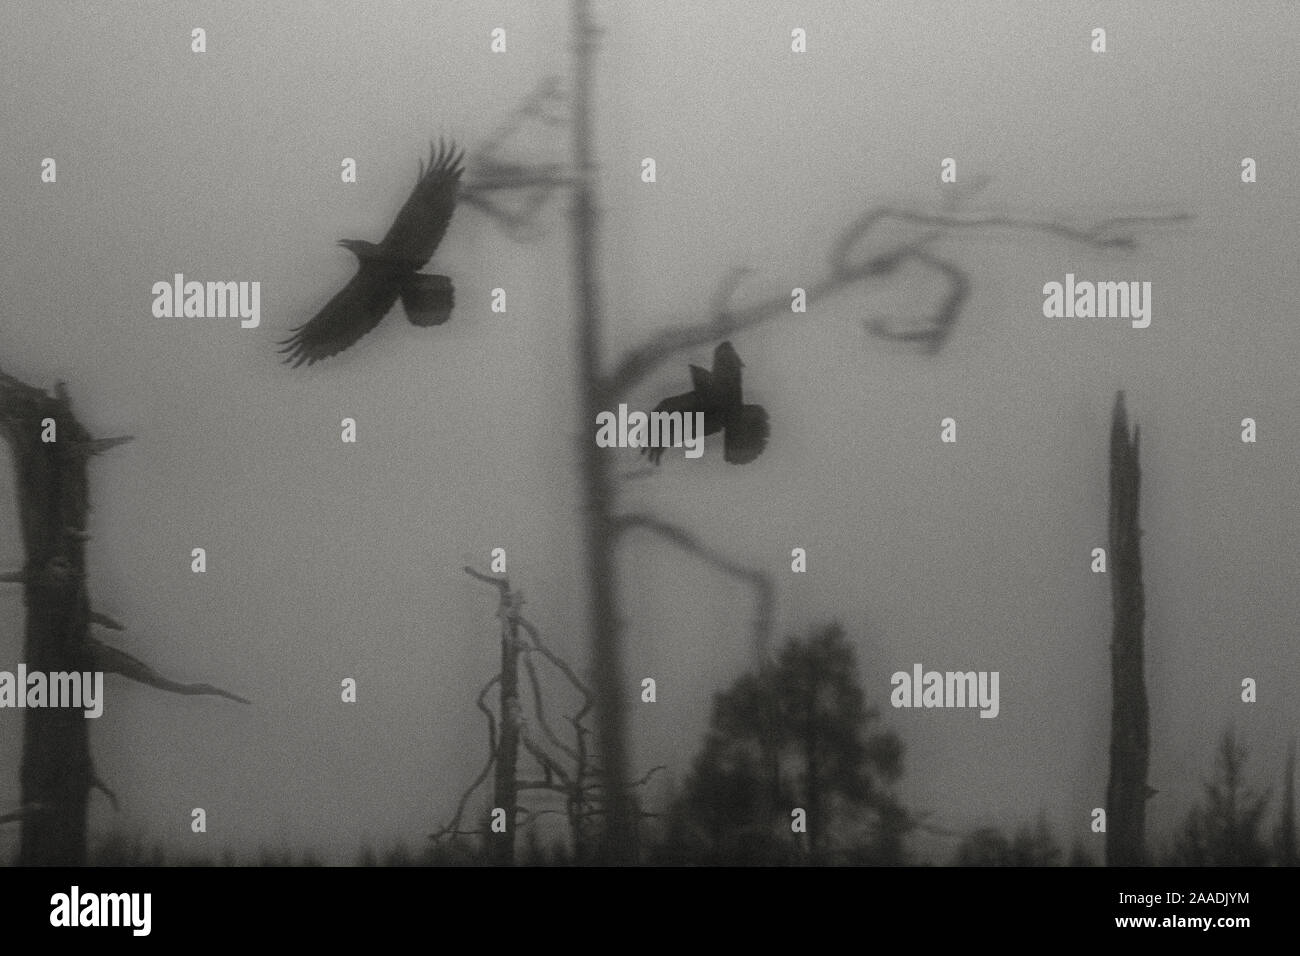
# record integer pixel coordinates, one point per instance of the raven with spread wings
(390, 269)
(718, 395)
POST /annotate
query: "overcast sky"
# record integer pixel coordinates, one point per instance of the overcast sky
(329, 560)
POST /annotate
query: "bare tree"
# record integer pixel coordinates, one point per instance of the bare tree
(1126, 794)
(566, 769)
(600, 389)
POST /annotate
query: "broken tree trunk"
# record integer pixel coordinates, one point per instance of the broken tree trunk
(1126, 794)
(50, 449)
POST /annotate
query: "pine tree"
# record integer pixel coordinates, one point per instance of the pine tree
(810, 718)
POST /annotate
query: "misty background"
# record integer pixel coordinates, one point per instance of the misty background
(328, 560)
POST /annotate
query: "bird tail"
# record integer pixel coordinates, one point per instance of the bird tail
(427, 299)
(746, 434)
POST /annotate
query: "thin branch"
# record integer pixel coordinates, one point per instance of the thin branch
(491, 717)
(512, 614)
(520, 227)
(453, 828)
(543, 758)
(448, 831)
(97, 446)
(535, 682)
(511, 176)
(559, 662)
(644, 814)
(641, 360)
(501, 584)
(548, 91)
(103, 620)
(645, 778)
(542, 785)
(13, 816)
(726, 291)
(114, 661)
(492, 173)
(103, 788)
(936, 329)
(1099, 235)
(531, 816)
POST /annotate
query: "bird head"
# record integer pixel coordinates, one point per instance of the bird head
(726, 352)
(360, 248)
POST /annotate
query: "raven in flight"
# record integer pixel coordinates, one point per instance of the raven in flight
(717, 395)
(390, 269)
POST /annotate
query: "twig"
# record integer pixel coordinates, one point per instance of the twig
(543, 758)
(103, 788)
(103, 620)
(645, 778)
(500, 583)
(115, 661)
(941, 323)
(535, 682)
(491, 717)
(559, 663)
(453, 828)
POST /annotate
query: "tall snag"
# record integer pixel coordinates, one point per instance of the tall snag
(1126, 794)
(56, 774)
(50, 450)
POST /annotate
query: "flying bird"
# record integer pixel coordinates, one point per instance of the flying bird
(718, 395)
(390, 270)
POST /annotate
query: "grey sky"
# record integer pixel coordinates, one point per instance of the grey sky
(329, 560)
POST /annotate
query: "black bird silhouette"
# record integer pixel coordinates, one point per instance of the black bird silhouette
(391, 268)
(718, 395)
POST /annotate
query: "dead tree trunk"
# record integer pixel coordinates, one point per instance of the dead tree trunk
(50, 449)
(618, 844)
(1126, 794)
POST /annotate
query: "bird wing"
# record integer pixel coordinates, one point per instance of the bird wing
(423, 219)
(746, 434)
(687, 403)
(701, 379)
(355, 310)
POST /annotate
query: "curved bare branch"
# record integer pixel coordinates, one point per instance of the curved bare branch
(639, 361)
(115, 661)
(453, 828)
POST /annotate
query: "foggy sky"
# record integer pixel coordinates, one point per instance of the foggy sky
(329, 560)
